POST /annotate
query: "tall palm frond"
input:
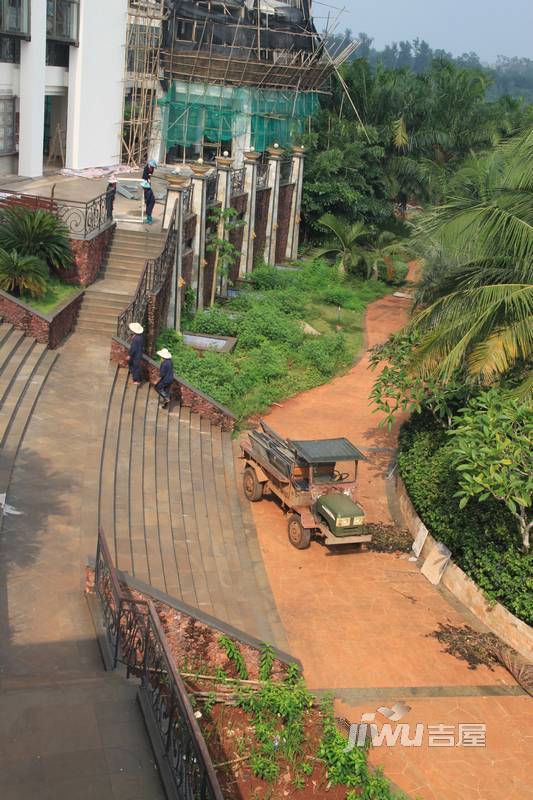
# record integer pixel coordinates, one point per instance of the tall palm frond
(22, 274)
(35, 233)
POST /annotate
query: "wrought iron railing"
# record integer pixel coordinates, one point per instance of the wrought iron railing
(262, 175)
(237, 181)
(285, 170)
(211, 189)
(82, 219)
(152, 278)
(187, 199)
(137, 640)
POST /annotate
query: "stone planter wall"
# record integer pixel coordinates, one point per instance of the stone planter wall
(187, 395)
(50, 330)
(89, 257)
(499, 620)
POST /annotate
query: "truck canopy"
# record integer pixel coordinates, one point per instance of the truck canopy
(326, 451)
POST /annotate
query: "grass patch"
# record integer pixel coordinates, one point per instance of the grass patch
(274, 358)
(56, 293)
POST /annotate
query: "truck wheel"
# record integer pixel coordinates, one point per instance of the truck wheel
(253, 489)
(299, 536)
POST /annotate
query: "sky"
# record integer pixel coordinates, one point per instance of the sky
(488, 27)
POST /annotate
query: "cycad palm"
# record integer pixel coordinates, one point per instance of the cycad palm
(482, 318)
(349, 240)
(35, 233)
(22, 274)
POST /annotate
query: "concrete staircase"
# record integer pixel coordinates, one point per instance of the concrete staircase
(173, 514)
(24, 368)
(115, 288)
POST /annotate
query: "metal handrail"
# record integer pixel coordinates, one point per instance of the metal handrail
(262, 175)
(138, 641)
(81, 218)
(152, 278)
(237, 181)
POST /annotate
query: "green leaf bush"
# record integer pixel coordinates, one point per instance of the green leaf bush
(482, 537)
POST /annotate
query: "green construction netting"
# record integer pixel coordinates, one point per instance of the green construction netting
(199, 112)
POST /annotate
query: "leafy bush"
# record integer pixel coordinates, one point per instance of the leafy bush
(394, 274)
(213, 321)
(264, 322)
(482, 537)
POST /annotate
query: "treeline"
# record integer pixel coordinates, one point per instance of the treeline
(509, 76)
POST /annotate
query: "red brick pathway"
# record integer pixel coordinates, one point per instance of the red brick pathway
(361, 620)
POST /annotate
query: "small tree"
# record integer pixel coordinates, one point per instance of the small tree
(399, 389)
(218, 242)
(492, 453)
(349, 241)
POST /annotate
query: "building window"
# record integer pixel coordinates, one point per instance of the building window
(15, 17)
(9, 50)
(57, 54)
(7, 125)
(62, 20)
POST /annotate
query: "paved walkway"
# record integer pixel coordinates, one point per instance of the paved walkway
(360, 621)
(67, 730)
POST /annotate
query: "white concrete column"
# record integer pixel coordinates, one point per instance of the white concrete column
(297, 178)
(274, 165)
(199, 208)
(250, 187)
(31, 92)
(96, 85)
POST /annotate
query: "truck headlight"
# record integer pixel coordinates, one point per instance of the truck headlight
(344, 522)
(358, 520)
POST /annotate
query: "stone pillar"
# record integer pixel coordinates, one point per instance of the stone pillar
(297, 178)
(31, 93)
(274, 164)
(176, 192)
(250, 187)
(199, 207)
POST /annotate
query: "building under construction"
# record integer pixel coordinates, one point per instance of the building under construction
(208, 76)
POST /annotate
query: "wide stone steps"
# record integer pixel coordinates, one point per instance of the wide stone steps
(171, 510)
(104, 301)
(24, 368)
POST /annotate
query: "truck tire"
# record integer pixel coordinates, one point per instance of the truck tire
(299, 536)
(253, 489)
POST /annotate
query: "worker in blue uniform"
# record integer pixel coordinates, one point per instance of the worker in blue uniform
(166, 377)
(149, 200)
(136, 352)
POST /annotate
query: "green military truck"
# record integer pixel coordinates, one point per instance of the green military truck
(314, 480)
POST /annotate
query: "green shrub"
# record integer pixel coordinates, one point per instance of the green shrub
(36, 233)
(482, 537)
(264, 322)
(396, 275)
(213, 321)
(265, 277)
(327, 354)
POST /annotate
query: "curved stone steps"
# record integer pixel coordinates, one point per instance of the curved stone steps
(24, 367)
(170, 505)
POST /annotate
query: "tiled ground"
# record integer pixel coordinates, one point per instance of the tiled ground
(68, 731)
(363, 621)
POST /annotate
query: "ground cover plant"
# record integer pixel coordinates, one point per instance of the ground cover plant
(274, 358)
(56, 292)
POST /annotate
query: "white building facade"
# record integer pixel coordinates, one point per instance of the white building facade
(61, 83)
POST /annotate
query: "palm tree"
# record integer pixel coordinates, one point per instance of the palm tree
(19, 273)
(385, 248)
(480, 315)
(35, 233)
(349, 241)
